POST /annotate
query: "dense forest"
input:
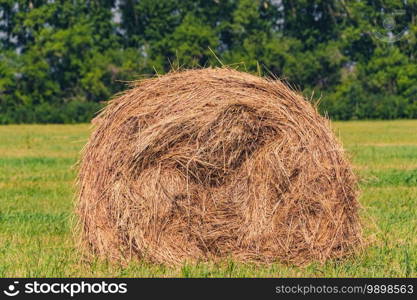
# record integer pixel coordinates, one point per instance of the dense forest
(60, 59)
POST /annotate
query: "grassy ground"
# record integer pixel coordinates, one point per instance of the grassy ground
(36, 194)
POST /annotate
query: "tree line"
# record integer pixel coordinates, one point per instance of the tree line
(60, 59)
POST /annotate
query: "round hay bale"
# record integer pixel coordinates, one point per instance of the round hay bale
(215, 163)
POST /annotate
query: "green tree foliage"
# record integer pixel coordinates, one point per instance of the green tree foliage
(60, 59)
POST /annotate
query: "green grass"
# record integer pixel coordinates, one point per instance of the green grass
(36, 200)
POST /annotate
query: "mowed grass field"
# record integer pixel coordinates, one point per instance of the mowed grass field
(37, 190)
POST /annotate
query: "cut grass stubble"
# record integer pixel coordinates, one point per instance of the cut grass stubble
(36, 203)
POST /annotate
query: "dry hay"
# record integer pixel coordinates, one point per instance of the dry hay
(214, 163)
